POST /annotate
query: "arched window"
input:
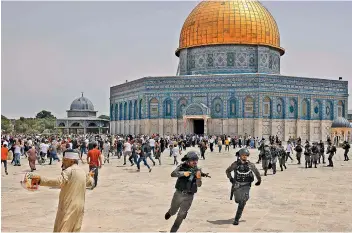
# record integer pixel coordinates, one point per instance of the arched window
(232, 107)
(130, 110)
(267, 107)
(135, 110)
(112, 116)
(76, 124)
(305, 109)
(280, 108)
(116, 112)
(181, 105)
(248, 107)
(329, 110)
(62, 124)
(340, 109)
(168, 107)
(92, 124)
(154, 108)
(120, 111)
(125, 111)
(217, 108)
(317, 113)
(292, 109)
(140, 109)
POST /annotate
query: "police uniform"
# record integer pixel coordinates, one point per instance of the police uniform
(266, 159)
(186, 187)
(307, 155)
(282, 157)
(274, 154)
(315, 155)
(241, 183)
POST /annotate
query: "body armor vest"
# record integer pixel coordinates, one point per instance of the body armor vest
(244, 173)
(186, 184)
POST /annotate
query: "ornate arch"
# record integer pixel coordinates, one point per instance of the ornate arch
(76, 124)
(217, 108)
(125, 111)
(154, 108)
(135, 110)
(317, 110)
(130, 110)
(140, 115)
(116, 112)
(181, 105)
(112, 112)
(248, 106)
(232, 107)
(196, 109)
(61, 124)
(92, 124)
(279, 108)
(329, 110)
(120, 111)
(340, 108)
(292, 109)
(168, 108)
(267, 107)
(305, 109)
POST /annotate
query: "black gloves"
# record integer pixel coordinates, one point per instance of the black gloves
(231, 180)
(258, 183)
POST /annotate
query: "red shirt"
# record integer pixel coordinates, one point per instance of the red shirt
(94, 155)
(4, 152)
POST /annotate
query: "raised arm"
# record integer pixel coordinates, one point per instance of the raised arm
(177, 172)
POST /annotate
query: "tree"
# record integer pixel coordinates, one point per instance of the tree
(44, 114)
(6, 125)
(105, 117)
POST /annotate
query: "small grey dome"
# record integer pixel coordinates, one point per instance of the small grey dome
(82, 103)
(341, 122)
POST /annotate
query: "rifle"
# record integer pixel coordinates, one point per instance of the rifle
(194, 172)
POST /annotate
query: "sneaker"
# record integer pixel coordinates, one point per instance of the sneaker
(150, 170)
(167, 216)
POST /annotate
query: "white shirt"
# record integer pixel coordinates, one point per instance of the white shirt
(289, 148)
(211, 140)
(175, 151)
(29, 142)
(127, 146)
(152, 142)
(44, 148)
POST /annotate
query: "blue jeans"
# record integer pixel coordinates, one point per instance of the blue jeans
(17, 158)
(83, 151)
(149, 155)
(144, 159)
(153, 149)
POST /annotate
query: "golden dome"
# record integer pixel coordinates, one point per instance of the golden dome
(230, 22)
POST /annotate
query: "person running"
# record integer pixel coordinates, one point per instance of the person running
(127, 151)
(4, 154)
(94, 161)
(142, 158)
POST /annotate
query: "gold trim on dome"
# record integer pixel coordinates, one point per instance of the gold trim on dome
(245, 22)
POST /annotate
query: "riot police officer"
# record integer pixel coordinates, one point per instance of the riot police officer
(188, 180)
(242, 181)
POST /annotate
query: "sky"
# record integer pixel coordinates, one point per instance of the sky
(53, 51)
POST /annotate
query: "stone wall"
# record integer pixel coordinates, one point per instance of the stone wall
(313, 130)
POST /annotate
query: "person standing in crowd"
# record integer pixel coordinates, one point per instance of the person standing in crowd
(242, 180)
(94, 161)
(331, 150)
(307, 155)
(106, 151)
(346, 146)
(321, 151)
(32, 157)
(175, 152)
(157, 152)
(211, 144)
(219, 144)
(53, 152)
(152, 145)
(315, 154)
(4, 154)
(17, 154)
(227, 144)
(203, 148)
(127, 150)
(298, 148)
(288, 151)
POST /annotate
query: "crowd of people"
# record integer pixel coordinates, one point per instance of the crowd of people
(137, 149)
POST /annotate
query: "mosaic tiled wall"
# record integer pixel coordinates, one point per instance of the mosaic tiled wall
(227, 59)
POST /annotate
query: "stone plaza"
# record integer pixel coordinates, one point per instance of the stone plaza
(297, 199)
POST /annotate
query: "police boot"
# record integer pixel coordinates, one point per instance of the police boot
(315, 165)
(265, 172)
(281, 168)
(285, 166)
(239, 212)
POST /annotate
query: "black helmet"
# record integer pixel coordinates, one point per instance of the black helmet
(190, 156)
(243, 151)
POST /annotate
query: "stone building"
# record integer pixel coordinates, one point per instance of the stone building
(341, 130)
(228, 82)
(82, 119)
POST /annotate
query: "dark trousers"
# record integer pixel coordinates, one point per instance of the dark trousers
(331, 164)
(144, 161)
(240, 209)
(288, 156)
(181, 202)
(346, 156)
(95, 168)
(227, 147)
(133, 158)
(211, 147)
(5, 164)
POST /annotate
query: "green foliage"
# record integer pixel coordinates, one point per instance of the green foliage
(28, 125)
(105, 117)
(44, 114)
